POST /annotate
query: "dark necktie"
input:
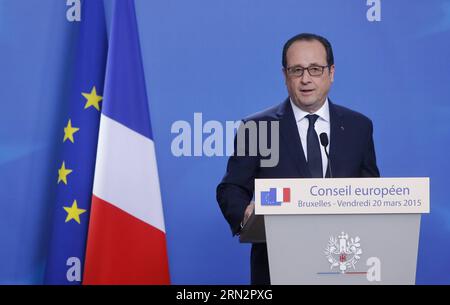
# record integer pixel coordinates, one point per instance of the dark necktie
(313, 148)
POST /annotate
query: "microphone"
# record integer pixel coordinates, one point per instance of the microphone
(324, 141)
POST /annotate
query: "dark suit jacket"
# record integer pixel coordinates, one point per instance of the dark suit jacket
(352, 154)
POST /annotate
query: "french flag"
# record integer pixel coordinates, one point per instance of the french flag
(126, 240)
(284, 194)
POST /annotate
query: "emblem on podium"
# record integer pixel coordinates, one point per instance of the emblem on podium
(343, 252)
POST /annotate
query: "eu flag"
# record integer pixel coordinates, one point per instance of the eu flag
(79, 145)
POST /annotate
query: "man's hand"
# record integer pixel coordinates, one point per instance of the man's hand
(248, 212)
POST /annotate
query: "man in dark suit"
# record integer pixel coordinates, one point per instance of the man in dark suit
(308, 68)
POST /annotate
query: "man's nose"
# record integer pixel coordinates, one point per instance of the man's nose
(305, 78)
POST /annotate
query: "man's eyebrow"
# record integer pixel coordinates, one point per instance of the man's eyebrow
(314, 64)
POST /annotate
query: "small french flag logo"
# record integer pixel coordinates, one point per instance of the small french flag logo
(276, 196)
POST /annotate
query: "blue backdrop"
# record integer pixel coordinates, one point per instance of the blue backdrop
(223, 58)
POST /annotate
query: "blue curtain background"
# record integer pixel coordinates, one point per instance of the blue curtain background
(223, 58)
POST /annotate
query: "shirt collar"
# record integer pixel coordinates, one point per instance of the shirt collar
(323, 112)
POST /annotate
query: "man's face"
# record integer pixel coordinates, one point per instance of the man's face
(306, 91)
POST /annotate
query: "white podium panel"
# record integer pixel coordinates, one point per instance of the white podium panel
(340, 231)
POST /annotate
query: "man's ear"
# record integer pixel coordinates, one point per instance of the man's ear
(332, 69)
(284, 71)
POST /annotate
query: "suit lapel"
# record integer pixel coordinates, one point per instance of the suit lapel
(291, 138)
(337, 135)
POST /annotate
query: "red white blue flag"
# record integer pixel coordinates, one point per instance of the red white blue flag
(126, 240)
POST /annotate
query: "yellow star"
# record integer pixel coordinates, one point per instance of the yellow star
(69, 131)
(62, 173)
(92, 99)
(74, 212)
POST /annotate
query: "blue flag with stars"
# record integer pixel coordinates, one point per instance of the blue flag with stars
(79, 136)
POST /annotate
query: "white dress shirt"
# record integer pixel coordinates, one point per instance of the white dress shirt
(322, 125)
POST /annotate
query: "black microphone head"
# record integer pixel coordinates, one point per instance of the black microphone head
(324, 139)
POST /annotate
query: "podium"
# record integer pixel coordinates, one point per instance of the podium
(341, 230)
